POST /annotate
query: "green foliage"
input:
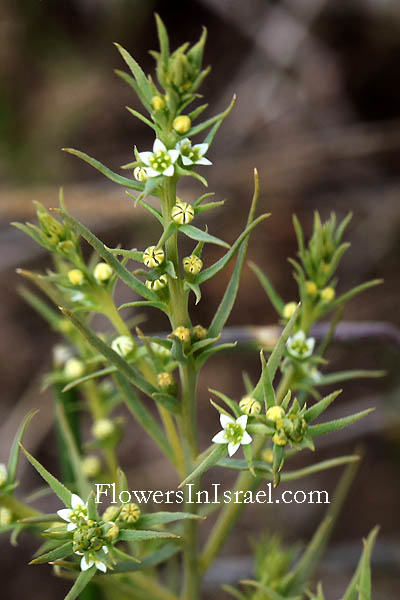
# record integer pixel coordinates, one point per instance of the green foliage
(96, 371)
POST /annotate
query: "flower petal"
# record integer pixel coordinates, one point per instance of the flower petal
(300, 335)
(145, 157)
(158, 146)
(169, 171)
(152, 172)
(225, 420)
(182, 143)
(203, 161)
(174, 155)
(219, 438)
(65, 514)
(187, 161)
(232, 448)
(76, 501)
(105, 549)
(86, 564)
(71, 527)
(202, 148)
(246, 439)
(101, 566)
(242, 421)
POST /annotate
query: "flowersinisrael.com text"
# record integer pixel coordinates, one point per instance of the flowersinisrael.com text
(107, 492)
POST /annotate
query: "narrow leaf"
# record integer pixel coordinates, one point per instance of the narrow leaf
(125, 181)
(58, 488)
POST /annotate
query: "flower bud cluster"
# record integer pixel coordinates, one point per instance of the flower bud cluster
(290, 427)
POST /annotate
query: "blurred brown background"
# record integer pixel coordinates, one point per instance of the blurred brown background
(318, 114)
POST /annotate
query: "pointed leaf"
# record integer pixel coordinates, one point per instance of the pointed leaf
(197, 234)
(329, 426)
(58, 488)
(125, 181)
(81, 582)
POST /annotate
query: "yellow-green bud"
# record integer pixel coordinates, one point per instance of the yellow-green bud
(91, 466)
(3, 474)
(182, 213)
(140, 174)
(130, 513)
(311, 288)
(157, 284)
(153, 257)
(165, 380)
(250, 406)
(328, 294)
(102, 429)
(6, 516)
(110, 513)
(76, 276)
(278, 440)
(192, 264)
(268, 455)
(111, 532)
(288, 310)
(275, 413)
(199, 333)
(182, 124)
(182, 333)
(67, 247)
(122, 345)
(157, 102)
(74, 368)
(102, 272)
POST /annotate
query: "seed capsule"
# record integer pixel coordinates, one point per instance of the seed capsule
(250, 406)
(182, 213)
(157, 284)
(130, 513)
(192, 264)
(140, 174)
(153, 257)
(122, 345)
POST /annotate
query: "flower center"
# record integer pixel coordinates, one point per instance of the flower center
(300, 346)
(160, 161)
(190, 152)
(234, 433)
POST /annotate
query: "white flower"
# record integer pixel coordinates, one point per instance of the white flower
(160, 161)
(233, 433)
(299, 346)
(90, 558)
(77, 512)
(193, 155)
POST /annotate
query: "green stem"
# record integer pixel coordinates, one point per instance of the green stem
(179, 316)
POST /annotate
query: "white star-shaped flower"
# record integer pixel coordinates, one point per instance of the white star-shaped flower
(233, 433)
(74, 514)
(193, 155)
(87, 561)
(161, 161)
(299, 346)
